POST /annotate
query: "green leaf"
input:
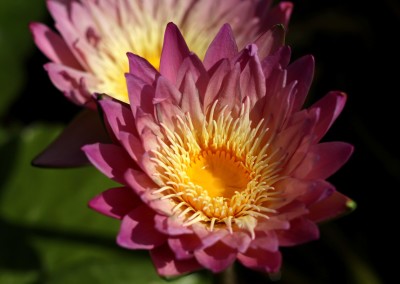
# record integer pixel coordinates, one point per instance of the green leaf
(49, 235)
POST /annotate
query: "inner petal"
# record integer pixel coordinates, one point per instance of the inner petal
(219, 173)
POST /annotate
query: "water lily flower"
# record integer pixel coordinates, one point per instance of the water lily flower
(217, 159)
(88, 54)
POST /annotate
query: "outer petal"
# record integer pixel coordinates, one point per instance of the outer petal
(323, 160)
(262, 260)
(66, 151)
(137, 230)
(53, 46)
(301, 231)
(335, 205)
(167, 264)
(115, 202)
(110, 159)
(270, 41)
(216, 258)
(330, 107)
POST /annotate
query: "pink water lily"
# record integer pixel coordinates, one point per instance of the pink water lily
(88, 54)
(216, 158)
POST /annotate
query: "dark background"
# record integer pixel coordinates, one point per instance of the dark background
(356, 49)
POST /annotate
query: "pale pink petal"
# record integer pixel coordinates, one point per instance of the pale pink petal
(115, 202)
(219, 73)
(323, 160)
(171, 225)
(266, 241)
(217, 257)
(167, 265)
(330, 107)
(334, 206)
(66, 151)
(53, 46)
(110, 159)
(239, 240)
(72, 82)
(173, 53)
(223, 46)
(137, 230)
(261, 260)
(301, 231)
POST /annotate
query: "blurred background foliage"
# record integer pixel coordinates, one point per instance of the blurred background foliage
(48, 235)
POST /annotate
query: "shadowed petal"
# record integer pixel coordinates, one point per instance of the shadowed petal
(167, 265)
(66, 151)
(301, 231)
(217, 257)
(137, 230)
(261, 260)
(115, 202)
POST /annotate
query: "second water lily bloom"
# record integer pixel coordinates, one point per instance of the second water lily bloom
(217, 159)
(88, 53)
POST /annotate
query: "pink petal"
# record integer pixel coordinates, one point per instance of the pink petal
(335, 205)
(330, 107)
(223, 46)
(301, 231)
(65, 151)
(173, 53)
(171, 225)
(115, 202)
(219, 73)
(270, 41)
(110, 159)
(72, 82)
(216, 258)
(184, 245)
(141, 68)
(302, 71)
(53, 45)
(137, 230)
(194, 66)
(266, 241)
(140, 94)
(261, 260)
(167, 265)
(323, 160)
(238, 240)
(118, 116)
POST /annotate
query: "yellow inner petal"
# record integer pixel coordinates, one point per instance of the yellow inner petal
(218, 173)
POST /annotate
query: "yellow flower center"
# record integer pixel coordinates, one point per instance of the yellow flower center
(220, 174)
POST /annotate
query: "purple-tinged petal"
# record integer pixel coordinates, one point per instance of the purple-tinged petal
(140, 94)
(217, 257)
(66, 151)
(167, 265)
(266, 241)
(323, 160)
(270, 41)
(110, 159)
(137, 230)
(223, 46)
(301, 231)
(118, 116)
(53, 46)
(332, 207)
(140, 67)
(115, 202)
(330, 107)
(261, 260)
(302, 71)
(173, 53)
(218, 75)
